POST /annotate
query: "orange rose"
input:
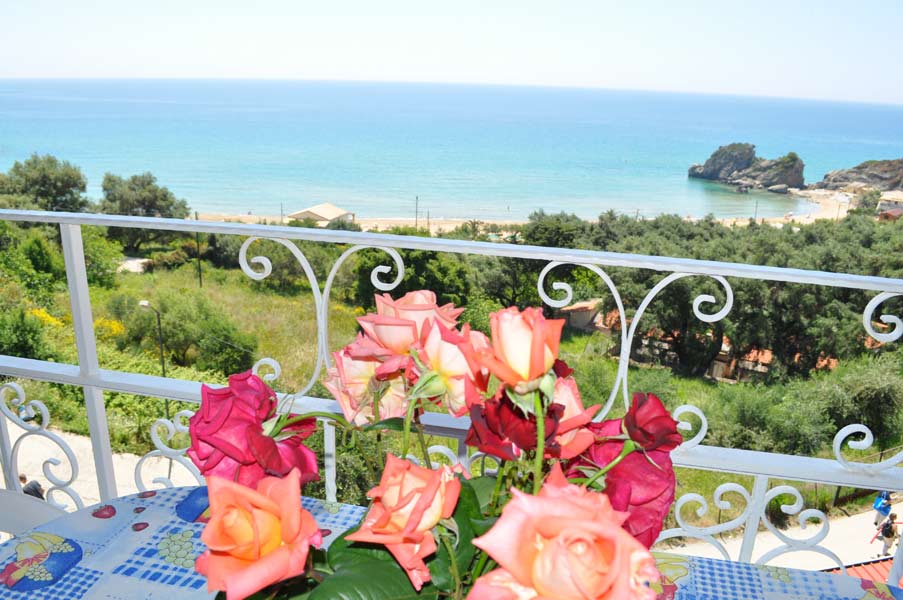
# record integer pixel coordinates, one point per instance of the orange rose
(255, 538)
(573, 437)
(565, 543)
(408, 502)
(524, 345)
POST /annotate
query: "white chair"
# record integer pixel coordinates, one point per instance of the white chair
(20, 512)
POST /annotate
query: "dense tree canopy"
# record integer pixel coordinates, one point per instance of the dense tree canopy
(140, 196)
(49, 183)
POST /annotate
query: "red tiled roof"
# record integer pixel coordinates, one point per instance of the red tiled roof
(874, 570)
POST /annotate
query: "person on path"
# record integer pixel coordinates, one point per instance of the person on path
(887, 532)
(881, 506)
(32, 488)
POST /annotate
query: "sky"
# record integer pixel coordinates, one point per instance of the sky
(823, 49)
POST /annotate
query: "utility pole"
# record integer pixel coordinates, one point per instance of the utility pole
(427, 220)
(281, 214)
(197, 241)
(756, 214)
(416, 209)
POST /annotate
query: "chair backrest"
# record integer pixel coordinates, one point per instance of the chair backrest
(20, 512)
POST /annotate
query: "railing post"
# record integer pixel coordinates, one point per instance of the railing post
(756, 513)
(329, 460)
(83, 323)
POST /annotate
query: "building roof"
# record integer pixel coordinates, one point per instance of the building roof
(872, 570)
(320, 212)
(584, 305)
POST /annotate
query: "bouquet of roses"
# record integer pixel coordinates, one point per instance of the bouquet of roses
(569, 512)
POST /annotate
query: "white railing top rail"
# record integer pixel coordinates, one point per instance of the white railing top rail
(562, 255)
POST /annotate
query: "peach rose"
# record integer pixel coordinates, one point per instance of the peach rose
(573, 437)
(443, 353)
(255, 538)
(351, 382)
(524, 345)
(566, 543)
(418, 306)
(408, 502)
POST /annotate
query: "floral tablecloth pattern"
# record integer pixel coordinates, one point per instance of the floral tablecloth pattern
(138, 547)
(143, 547)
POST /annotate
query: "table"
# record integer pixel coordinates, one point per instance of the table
(139, 547)
(143, 547)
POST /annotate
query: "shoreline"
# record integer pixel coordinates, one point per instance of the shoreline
(826, 204)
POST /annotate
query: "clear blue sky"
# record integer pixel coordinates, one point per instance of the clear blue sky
(829, 49)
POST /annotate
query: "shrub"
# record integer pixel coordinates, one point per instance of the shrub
(43, 256)
(102, 257)
(22, 335)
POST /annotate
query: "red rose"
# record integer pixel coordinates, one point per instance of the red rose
(635, 485)
(503, 430)
(650, 425)
(227, 436)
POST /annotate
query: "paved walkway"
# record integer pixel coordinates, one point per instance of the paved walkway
(850, 538)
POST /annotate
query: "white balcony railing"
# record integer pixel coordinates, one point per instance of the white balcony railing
(761, 466)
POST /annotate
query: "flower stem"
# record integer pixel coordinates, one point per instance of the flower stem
(297, 418)
(453, 565)
(360, 448)
(406, 434)
(499, 481)
(540, 443)
(629, 446)
(423, 448)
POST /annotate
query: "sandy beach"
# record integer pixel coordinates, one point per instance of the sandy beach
(825, 204)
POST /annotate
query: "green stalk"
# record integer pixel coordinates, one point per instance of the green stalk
(629, 446)
(453, 565)
(360, 448)
(322, 414)
(540, 443)
(406, 434)
(423, 448)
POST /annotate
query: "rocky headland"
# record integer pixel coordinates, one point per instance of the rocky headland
(882, 175)
(737, 164)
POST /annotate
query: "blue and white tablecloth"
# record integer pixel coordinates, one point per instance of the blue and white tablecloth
(139, 547)
(143, 547)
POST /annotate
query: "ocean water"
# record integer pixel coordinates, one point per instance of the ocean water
(486, 152)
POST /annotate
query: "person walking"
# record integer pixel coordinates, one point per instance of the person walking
(32, 488)
(881, 506)
(887, 532)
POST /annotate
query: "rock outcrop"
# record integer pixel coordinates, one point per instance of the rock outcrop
(737, 164)
(883, 175)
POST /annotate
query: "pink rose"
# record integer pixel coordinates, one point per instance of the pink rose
(524, 345)
(227, 437)
(255, 538)
(564, 543)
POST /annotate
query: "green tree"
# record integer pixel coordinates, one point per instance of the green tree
(22, 335)
(102, 257)
(52, 184)
(139, 195)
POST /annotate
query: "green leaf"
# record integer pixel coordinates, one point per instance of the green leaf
(483, 487)
(341, 551)
(392, 424)
(360, 577)
(481, 526)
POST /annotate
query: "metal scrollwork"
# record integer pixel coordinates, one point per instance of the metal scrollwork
(790, 544)
(864, 444)
(707, 534)
(34, 418)
(561, 286)
(178, 425)
(697, 438)
(867, 318)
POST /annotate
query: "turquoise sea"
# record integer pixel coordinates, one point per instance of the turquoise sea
(467, 151)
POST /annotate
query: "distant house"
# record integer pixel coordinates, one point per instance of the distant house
(891, 214)
(582, 315)
(323, 214)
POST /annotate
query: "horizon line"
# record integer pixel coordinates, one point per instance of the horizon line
(469, 83)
